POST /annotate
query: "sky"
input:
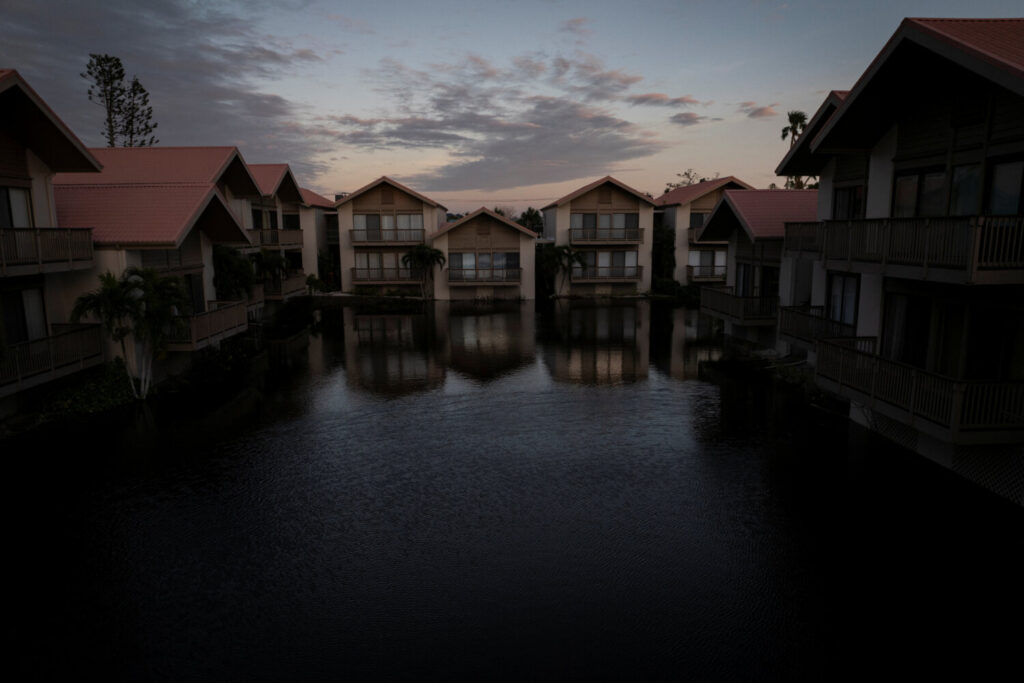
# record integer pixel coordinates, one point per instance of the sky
(509, 104)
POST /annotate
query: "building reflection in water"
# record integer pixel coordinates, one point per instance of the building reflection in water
(486, 341)
(695, 338)
(391, 354)
(600, 343)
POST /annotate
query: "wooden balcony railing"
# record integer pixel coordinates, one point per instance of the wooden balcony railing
(607, 273)
(385, 275)
(743, 309)
(471, 276)
(285, 287)
(24, 251)
(224, 319)
(613, 235)
(70, 348)
(275, 238)
(394, 236)
(809, 323)
(977, 248)
(804, 237)
(957, 405)
(705, 273)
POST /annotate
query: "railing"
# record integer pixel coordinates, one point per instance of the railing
(804, 236)
(705, 272)
(972, 244)
(607, 273)
(69, 346)
(955, 404)
(606, 235)
(285, 287)
(512, 275)
(225, 318)
(809, 323)
(385, 275)
(25, 247)
(276, 238)
(410, 236)
(743, 308)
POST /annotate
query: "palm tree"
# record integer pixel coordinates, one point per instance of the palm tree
(421, 259)
(161, 303)
(565, 257)
(797, 123)
(271, 266)
(116, 309)
(531, 219)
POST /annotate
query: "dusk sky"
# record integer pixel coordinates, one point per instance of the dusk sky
(472, 103)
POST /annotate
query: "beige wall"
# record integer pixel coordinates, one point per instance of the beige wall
(499, 237)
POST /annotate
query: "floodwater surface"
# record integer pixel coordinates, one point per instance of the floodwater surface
(481, 494)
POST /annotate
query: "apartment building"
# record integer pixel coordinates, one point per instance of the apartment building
(39, 254)
(685, 211)
(276, 229)
(611, 225)
(908, 289)
(487, 256)
(319, 224)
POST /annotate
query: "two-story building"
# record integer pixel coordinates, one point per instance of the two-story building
(39, 254)
(487, 256)
(685, 210)
(611, 225)
(917, 258)
(277, 229)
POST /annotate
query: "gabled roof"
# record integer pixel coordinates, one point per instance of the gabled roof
(310, 198)
(393, 183)
(761, 213)
(31, 122)
(597, 183)
(482, 211)
(277, 179)
(168, 166)
(147, 215)
(990, 48)
(799, 160)
(688, 193)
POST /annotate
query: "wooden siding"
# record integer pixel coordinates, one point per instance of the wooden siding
(621, 201)
(372, 201)
(497, 236)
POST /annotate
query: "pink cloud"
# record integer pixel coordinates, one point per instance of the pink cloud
(754, 111)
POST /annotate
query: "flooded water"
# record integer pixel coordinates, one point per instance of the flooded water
(501, 493)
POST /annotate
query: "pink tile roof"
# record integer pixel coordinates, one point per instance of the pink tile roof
(144, 215)
(688, 193)
(311, 198)
(277, 180)
(597, 183)
(487, 212)
(31, 121)
(763, 213)
(394, 183)
(998, 41)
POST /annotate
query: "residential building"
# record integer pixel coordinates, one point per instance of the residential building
(319, 223)
(611, 225)
(685, 210)
(909, 289)
(277, 229)
(487, 256)
(164, 208)
(377, 225)
(39, 254)
(752, 223)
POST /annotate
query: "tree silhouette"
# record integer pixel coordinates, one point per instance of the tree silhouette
(128, 119)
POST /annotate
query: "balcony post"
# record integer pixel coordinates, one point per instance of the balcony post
(886, 243)
(39, 249)
(957, 416)
(977, 223)
(913, 394)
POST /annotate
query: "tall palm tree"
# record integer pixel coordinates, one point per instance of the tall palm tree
(797, 123)
(565, 257)
(421, 259)
(115, 307)
(158, 316)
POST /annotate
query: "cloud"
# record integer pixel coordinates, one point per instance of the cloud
(204, 65)
(351, 24)
(663, 100)
(577, 26)
(755, 111)
(688, 118)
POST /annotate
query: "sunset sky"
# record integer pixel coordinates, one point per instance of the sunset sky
(472, 103)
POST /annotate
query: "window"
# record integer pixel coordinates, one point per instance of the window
(965, 192)
(291, 221)
(842, 297)
(257, 219)
(24, 316)
(848, 203)
(15, 208)
(697, 219)
(1006, 189)
(919, 194)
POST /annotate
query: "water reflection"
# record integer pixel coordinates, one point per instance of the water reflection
(391, 354)
(694, 340)
(607, 343)
(487, 342)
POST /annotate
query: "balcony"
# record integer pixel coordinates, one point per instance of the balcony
(608, 274)
(804, 237)
(490, 276)
(378, 237)
(225, 319)
(285, 288)
(705, 273)
(28, 251)
(967, 250)
(385, 276)
(606, 235)
(275, 238)
(69, 349)
(954, 411)
(807, 324)
(743, 310)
